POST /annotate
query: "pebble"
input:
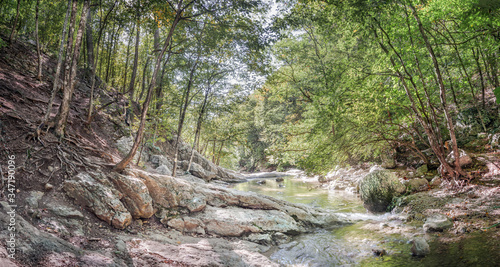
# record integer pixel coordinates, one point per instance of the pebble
(48, 186)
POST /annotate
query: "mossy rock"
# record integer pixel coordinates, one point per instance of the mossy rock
(378, 188)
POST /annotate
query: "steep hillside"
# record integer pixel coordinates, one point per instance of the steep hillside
(71, 208)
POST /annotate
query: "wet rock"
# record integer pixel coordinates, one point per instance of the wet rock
(420, 247)
(378, 188)
(33, 198)
(261, 182)
(379, 252)
(437, 223)
(280, 179)
(135, 195)
(100, 197)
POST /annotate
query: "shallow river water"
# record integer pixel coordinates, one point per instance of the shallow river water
(351, 244)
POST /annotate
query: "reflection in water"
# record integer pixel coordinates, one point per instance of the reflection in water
(297, 191)
(322, 247)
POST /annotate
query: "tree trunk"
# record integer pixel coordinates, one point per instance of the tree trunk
(140, 132)
(94, 66)
(68, 90)
(90, 63)
(15, 22)
(126, 61)
(136, 63)
(442, 95)
(182, 115)
(58, 67)
(38, 53)
(476, 58)
(198, 127)
(110, 51)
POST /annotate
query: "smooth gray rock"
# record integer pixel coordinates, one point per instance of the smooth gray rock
(420, 247)
(65, 211)
(437, 223)
(33, 199)
(163, 169)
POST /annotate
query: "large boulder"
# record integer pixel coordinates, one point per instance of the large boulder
(96, 193)
(197, 170)
(124, 144)
(159, 160)
(234, 221)
(135, 195)
(378, 188)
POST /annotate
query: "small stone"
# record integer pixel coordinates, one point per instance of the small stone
(33, 198)
(437, 223)
(379, 252)
(420, 247)
(50, 168)
(48, 187)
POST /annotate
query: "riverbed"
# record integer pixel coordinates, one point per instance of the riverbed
(360, 243)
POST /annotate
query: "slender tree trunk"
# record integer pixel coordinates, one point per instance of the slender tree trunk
(90, 63)
(144, 72)
(140, 132)
(126, 61)
(182, 115)
(68, 90)
(476, 58)
(218, 154)
(442, 95)
(38, 53)
(131, 86)
(15, 22)
(110, 50)
(198, 127)
(59, 63)
(94, 65)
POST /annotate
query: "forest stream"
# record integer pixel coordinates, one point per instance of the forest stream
(359, 243)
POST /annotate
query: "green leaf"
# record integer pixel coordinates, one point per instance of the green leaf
(497, 94)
